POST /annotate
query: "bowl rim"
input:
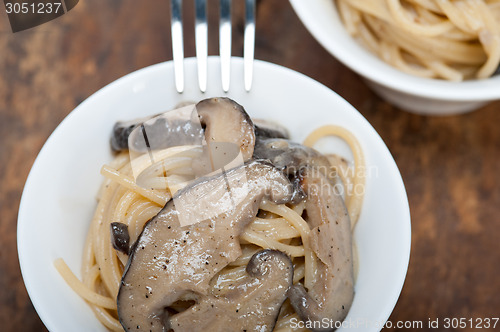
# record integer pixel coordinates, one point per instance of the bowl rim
(399, 273)
(348, 51)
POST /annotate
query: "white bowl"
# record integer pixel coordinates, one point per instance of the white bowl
(59, 197)
(411, 93)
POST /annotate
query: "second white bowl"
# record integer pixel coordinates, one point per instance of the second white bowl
(410, 93)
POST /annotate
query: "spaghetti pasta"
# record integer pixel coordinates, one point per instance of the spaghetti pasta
(452, 40)
(280, 227)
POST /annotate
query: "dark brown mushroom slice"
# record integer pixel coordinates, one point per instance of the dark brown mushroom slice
(169, 262)
(161, 132)
(291, 158)
(120, 237)
(121, 132)
(252, 305)
(227, 121)
(220, 120)
(332, 294)
(269, 129)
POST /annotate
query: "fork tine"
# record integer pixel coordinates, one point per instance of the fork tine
(177, 44)
(249, 43)
(201, 37)
(225, 42)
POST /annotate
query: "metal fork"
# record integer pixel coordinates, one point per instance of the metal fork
(201, 36)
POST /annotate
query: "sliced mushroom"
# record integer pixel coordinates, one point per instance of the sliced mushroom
(120, 237)
(226, 121)
(161, 130)
(220, 120)
(291, 158)
(252, 305)
(331, 295)
(269, 129)
(169, 262)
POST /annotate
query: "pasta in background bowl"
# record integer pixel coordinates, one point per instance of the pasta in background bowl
(408, 91)
(59, 197)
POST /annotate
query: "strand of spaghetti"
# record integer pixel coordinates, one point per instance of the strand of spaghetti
(299, 208)
(423, 14)
(401, 64)
(444, 70)
(427, 4)
(129, 183)
(298, 273)
(489, 38)
(160, 168)
(354, 206)
(436, 63)
(106, 319)
(493, 62)
(119, 214)
(263, 241)
(350, 17)
(89, 251)
(281, 233)
(429, 47)
(400, 16)
(278, 228)
(136, 209)
(295, 220)
(79, 288)
(102, 315)
(139, 213)
(123, 205)
(428, 16)
(470, 16)
(369, 39)
(455, 15)
(301, 225)
(88, 258)
(145, 160)
(92, 276)
(376, 8)
(105, 254)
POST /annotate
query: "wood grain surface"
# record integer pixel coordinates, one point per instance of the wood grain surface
(450, 165)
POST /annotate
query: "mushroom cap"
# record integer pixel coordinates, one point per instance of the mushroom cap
(227, 121)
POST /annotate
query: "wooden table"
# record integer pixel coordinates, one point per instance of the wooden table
(450, 165)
